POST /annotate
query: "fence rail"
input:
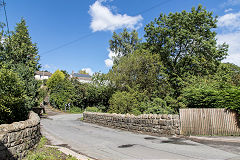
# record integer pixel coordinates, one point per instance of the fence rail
(209, 121)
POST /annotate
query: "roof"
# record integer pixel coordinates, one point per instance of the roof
(41, 73)
(81, 75)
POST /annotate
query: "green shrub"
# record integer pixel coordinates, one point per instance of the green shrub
(127, 102)
(41, 94)
(157, 106)
(208, 93)
(12, 97)
(74, 109)
(92, 109)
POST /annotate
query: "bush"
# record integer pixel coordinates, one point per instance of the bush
(41, 94)
(61, 90)
(12, 97)
(207, 93)
(91, 95)
(92, 109)
(127, 102)
(157, 106)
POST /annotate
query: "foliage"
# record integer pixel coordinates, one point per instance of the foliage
(141, 70)
(54, 82)
(209, 93)
(124, 43)
(92, 109)
(41, 94)
(94, 94)
(127, 102)
(186, 43)
(74, 109)
(157, 106)
(19, 57)
(61, 89)
(12, 97)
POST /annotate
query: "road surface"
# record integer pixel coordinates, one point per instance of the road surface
(112, 144)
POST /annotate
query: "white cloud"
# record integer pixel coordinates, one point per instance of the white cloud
(231, 21)
(88, 70)
(228, 10)
(232, 2)
(233, 40)
(46, 66)
(103, 19)
(109, 61)
(230, 27)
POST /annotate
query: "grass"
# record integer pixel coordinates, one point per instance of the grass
(75, 110)
(47, 153)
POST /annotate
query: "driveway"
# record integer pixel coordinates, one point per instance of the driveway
(112, 144)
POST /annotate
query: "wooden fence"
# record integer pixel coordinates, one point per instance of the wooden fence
(209, 121)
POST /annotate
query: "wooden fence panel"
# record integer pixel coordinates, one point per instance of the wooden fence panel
(209, 121)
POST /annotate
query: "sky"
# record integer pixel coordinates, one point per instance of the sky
(74, 35)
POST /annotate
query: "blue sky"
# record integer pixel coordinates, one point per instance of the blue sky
(74, 35)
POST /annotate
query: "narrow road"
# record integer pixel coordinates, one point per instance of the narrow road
(111, 144)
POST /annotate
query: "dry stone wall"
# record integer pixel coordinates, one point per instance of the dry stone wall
(154, 124)
(17, 138)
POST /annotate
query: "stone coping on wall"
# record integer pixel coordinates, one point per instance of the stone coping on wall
(33, 120)
(19, 137)
(154, 124)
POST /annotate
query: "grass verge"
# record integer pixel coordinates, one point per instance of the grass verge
(41, 152)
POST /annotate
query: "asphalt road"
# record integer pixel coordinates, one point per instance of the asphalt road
(111, 144)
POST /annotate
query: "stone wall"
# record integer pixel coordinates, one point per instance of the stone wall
(17, 138)
(146, 123)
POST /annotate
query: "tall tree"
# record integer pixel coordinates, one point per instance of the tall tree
(141, 70)
(19, 61)
(22, 50)
(124, 43)
(186, 43)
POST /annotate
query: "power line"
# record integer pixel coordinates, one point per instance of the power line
(90, 34)
(4, 7)
(68, 43)
(153, 7)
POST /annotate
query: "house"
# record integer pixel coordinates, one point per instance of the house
(41, 75)
(84, 78)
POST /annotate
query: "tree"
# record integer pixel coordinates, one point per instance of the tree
(12, 97)
(205, 92)
(20, 57)
(124, 43)
(22, 50)
(186, 44)
(61, 89)
(143, 71)
(56, 79)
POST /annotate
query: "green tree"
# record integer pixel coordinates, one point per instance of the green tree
(124, 43)
(143, 71)
(206, 92)
(56, 79)
(19, 55)
(127, 102)
(12, 97)
(61, 89)
(186, 43)
(21, 49)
